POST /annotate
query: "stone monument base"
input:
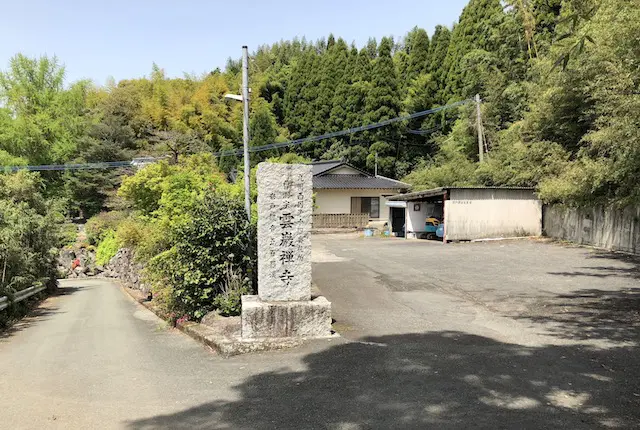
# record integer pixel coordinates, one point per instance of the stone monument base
(286, 319)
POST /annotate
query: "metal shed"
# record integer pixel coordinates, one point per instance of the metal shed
(473, 212)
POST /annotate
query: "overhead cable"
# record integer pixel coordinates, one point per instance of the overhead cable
(227, 153)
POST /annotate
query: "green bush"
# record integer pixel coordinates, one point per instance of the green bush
(30, 233)
(216, 235)
(68, 234)
(229, 301)
(107, 248)
(163, 190)
(98, 225)
(131, 233)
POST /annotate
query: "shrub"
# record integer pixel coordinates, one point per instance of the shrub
(29, 233)
(107, 248)
(214, 235)
(229, 301)
(131, 233)
(160, 189)
(68, 234)
(98, 225)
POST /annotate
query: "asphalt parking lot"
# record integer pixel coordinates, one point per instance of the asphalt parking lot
(557, 324)
(504, 335)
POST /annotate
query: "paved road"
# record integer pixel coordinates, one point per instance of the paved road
(510, 290)
(455, 350)
(93, 358)
(528, 333)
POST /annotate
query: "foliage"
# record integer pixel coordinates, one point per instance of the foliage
(132, 233)
(216, 234)
(41, 120)
(30, 231)
(542, 123)
(229, 301)
(107, 248)
(67, 233)
(164, 190)
(570, 131)
(97, 226)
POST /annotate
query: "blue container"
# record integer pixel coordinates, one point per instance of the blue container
(368, 232)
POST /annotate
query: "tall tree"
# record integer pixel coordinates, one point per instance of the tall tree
(383, 102)
(437, 54)
(42, 119)
(476, 30)
(340, 108)
(263, 128)
(297, 97)
(418, 49)
(333, 65)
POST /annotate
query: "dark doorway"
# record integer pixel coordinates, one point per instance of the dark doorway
(397, 221)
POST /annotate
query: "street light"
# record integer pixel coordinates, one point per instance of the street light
(244, 98)
(237, 97)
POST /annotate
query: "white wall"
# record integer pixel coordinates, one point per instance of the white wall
(415, 219)
(480, 214)
(339, 201)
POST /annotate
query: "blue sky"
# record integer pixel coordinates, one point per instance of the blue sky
(118, 38)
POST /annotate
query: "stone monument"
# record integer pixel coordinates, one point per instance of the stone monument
(284, 307)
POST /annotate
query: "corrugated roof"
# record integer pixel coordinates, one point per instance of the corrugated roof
(356, 181)
(418, 194)
(441, 190)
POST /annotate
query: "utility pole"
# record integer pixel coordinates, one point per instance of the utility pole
(479, 124)
(376, 164)
(245, 130)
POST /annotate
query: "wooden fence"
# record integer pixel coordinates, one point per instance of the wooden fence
(611, 228)
(340, 220)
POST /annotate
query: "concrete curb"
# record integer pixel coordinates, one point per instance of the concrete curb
(228, 347)
(498, 239)
(223, 345)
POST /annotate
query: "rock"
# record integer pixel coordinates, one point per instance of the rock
(210, 318)
(123, 267)
(223, 326)
(66, 257)
(308, 318)
(283, 307)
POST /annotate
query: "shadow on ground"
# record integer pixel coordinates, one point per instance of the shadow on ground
(614, 264)
(611, 315)
(31, 316)
(456, 380)
(441, 380)
(591, 314)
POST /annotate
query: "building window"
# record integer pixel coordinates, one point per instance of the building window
(366, 205)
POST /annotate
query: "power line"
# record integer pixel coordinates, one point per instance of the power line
(430, 130)
(227, 153)
(342, 132)
(82, 166)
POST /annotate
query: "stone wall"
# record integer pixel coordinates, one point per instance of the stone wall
(615, 229)
(123, 267)
(80, 262)
(77, 262)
